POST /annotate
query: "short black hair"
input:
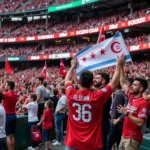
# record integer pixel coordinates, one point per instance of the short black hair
(105, 76)
(55, 92)
(1, 96)
(45, 84)
(143, 83)
(41, 79)
(86, 78)
(131, 80)
(11, 84)
(34, 97)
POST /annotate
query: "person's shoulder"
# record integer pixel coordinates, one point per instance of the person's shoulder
(143, 101)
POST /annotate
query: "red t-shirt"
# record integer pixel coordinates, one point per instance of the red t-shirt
(85, 117)
(138, 107)
(9, 102)
(47, 122)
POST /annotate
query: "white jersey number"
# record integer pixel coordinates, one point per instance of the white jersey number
(82, 112)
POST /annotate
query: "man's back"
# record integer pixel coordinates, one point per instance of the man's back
(42, 91)
(85, 117)
(9, 102)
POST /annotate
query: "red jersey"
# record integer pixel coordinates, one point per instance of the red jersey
(47, 122)
(9, 102)
(138, 107)
(85, 117)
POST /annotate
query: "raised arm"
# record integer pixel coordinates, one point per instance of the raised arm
(114, 81)
(123, 80)
(70, 73)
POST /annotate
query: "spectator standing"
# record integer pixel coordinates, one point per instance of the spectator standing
(41, 93)
(85, 109)
(101, 80)
(116, 122)
(2, 125)
(60, 115)
(9, 102)
(32, 108)
(135, 113)
(47, 126)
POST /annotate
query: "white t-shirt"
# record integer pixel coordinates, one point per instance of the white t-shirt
(32, 108)
(62, 101)
(2, 122)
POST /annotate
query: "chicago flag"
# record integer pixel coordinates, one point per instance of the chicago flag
(102, 55)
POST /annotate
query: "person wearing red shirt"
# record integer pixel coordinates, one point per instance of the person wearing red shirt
(9, 102)
(85, 109)
(47, 126)
(135, 113)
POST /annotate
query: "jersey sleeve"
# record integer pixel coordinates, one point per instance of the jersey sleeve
(70, 90)
(143, 110)
(44, 114)
(4, 96)
(104, 94)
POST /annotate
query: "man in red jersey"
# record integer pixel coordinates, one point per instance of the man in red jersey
(135, 113)
(9, 102)
(85, 109)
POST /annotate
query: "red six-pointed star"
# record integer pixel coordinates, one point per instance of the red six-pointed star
(92, 55)
(84, 58)
(102, 51)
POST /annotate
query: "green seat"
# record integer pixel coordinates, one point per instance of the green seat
(144, 148)
(146, 140)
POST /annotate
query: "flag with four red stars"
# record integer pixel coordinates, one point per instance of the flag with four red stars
(7, 67)
(62, 69)
(101, 35)
(44, 72)
(102, 55)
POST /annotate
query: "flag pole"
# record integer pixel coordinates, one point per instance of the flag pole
(100, 32)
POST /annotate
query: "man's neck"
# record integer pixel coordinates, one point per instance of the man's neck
(138, 95)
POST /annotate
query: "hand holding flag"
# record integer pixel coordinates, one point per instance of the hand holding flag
(102, 55)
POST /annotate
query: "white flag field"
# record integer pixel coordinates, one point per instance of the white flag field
(102, 55)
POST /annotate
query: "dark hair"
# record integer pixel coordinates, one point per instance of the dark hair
(45, 84)
(55, 92)
(62, 90)
(50, 104)
(105, 76)
(143, 83)
(34, 97)
(11, 84)
(86, 78)
(1, 97)
(40, 79)
(131, 80)
(148, 80)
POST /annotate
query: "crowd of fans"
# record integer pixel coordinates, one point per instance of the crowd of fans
(24, 5)
(33, 49)
(27, 83)
(7, 6)
(39, 27)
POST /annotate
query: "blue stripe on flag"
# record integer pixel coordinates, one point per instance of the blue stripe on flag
(102, 64)
(117, 34)
(83, 50)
